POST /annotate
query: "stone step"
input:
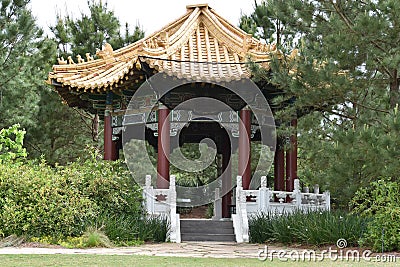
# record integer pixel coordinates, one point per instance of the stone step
(207, 230)
(206, 223)
(208, 237)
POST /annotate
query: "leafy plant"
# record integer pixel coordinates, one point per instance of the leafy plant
(11, 143)
(381, 202)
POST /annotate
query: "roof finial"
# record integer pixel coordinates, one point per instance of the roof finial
(188, 7)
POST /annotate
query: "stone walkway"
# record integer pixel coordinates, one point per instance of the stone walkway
(185, 249)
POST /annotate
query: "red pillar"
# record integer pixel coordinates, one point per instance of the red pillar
(108, 144)
(163, 147)
(291, 159)
(279, 166)
(109, 148)
(115, 150)
(244, 146)
(226, 179)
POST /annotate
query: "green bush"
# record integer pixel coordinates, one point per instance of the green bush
(107, 183)
(381, 202)
(308, 228)
(58, 203)
(35, 200)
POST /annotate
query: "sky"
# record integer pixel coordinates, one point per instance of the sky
(152, 15)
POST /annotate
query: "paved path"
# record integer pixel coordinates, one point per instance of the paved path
(185, 249)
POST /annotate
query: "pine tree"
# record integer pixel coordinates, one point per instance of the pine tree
(345, 83)
(24, 59)
(89, 32)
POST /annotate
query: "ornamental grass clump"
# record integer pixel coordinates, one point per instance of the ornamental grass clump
(307, 228)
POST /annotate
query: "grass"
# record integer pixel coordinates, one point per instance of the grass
(136, 260)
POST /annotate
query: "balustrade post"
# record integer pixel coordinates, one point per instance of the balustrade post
(316, 189)
(297, 193)
(327, 196)
(263, 195)
(217, 205)
(148, 195)
(174, 234)
(148, 181)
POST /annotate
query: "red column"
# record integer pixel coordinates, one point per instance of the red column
(108, 143)
(291, 159)
(115, 150)
(163, 147)
(226, 179)
(279, 166)
(244, 146)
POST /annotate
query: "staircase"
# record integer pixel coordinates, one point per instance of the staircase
(207, 230)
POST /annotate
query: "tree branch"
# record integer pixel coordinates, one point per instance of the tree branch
(370, 108)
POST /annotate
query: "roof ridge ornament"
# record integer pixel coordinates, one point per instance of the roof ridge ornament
(80, 59)
(161, 40)
(107, 53)
(88, 57)
(70, 60)
(247, 43)
(61, 61)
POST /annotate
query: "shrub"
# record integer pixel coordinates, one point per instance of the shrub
(37, 200)
(310, 228)
(381, 202)
(107, 183)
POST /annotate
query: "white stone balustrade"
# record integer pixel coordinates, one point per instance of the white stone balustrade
(264, 200)
(162, 202)
(217, 205)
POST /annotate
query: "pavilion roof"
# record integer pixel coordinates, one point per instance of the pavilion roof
(199, 46)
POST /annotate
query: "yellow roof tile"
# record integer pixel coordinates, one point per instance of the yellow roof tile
(200, 45)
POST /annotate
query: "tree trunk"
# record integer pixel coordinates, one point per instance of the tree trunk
(95, 128)
(394, 90)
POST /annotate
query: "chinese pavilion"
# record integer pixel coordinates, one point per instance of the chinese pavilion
(209, 54)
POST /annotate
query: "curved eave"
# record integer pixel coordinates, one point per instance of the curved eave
(198, 46)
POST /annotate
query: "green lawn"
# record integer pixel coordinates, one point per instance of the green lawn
(134, 260)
